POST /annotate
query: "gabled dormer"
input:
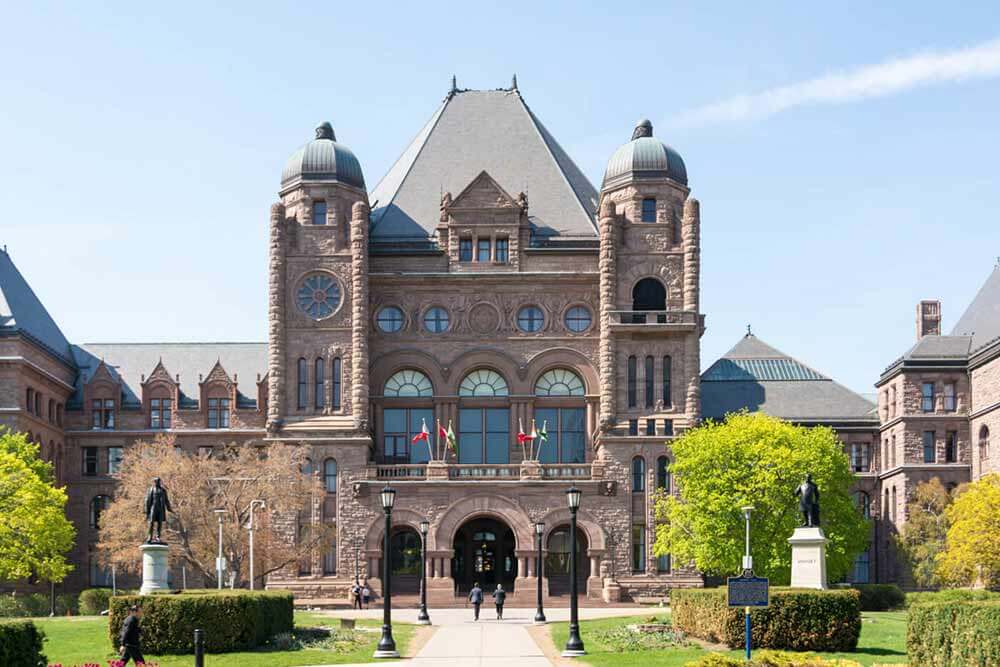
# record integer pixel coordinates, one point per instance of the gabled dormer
(217, 397)
(484, 227)
(160, 397)
(102, 398)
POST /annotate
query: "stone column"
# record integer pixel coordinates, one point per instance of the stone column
(692, 263)
(359, 315)
(276, 319)
(607, 266)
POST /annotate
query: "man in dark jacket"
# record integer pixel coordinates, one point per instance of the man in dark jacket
(128, 639)
(476, 598)
(499, 595)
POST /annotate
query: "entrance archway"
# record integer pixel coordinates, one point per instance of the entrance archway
(557, 560)
(404, 549)
(649, 294)
(484, 554)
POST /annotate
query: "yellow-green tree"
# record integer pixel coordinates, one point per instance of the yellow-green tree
(35, 534)
(972, 548)
(754, 459)
(923, 536)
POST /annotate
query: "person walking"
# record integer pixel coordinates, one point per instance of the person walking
(356, 595)
(476, 598)
(499, 595)
(366, 594)
(128, 638)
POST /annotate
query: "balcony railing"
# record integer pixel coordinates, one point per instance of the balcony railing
(566, 471)
(651, 317)
(401, 471)
(483, 471)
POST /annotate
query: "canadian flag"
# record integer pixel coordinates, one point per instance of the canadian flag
(423, 435)
(522, 437)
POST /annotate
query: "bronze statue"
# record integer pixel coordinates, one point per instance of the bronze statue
(808, 494)
(157, 506)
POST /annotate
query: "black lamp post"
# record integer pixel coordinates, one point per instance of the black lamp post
(387, 645)
(539, 613)
(574, 645)
(423, 618)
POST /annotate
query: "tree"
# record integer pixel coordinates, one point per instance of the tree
(755, 459)
(972, 547)
(923, 536)
(199, 485)
(35, 534)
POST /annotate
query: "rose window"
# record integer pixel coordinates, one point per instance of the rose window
(318, 295)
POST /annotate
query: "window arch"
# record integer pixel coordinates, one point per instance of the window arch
(408, 383)
(97, 506)
(319, 380)
(638, 474)
(303, 382)
(663, 474)
(483, 382)
(984, 443)
(330, 475)
(649, 294)
(559, 382)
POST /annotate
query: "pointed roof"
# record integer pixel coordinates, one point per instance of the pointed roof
(21, 312)
(473, 131)
(981, 320)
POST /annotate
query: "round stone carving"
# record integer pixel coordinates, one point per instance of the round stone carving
(484, 318)
(318, 295)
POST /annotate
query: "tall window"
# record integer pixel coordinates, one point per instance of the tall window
(633, 427)
(638, 474)
(338, 382)
(52, 411)
(502, 250)
(859, 456)
(38, 404)
(927, 397)
(649, 210)
(662, 474)
(160, 413)
(929, 453)
(984, 443)
(399, 425)
(668, 427)
(638, 548)
(663, 564)
(951, 447)
(892, 506)
(29, 400)
(319, 213)
(950, 404)
(330, 559)
(650, 382)
(465, 250)
(863, 503)
(218, 413)
(482, 250)
(89, 461)
(97, 506)
(330, 475)
(319, 382)
(892, 402)
(892, 452)
(650, 427)
(483, 435)
(567, 437)
(667, 399)
(860, 574)
(114, 459)
(630, 381)
(59, 414)
(103, 414)
(303, 393)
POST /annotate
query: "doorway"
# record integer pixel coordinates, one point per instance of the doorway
(484, 554)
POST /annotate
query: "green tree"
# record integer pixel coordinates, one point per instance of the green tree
(34, 531)
(754, 459)
(923, 536)
(972, 548)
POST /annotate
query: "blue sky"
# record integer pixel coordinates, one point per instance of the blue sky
(142, 148)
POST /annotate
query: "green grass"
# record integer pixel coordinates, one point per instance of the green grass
(82, 639)
(883, 640)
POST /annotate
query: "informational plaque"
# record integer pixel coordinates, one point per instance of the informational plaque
(747, 591)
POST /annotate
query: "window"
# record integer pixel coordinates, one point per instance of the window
(399, 425)
(650, 382)
(97, 507)
(638, 548)
(389, 319)
(927, 397)
(929, 453)
(578, 319)
(59, 414)
(29, 401)
(892, 403)
(103, 414)
(407, 383)
(667, 399)
(663, 474)
(482, 250)
(436, 320)
(649, 210)
(89, 461)
(863, 503)
(306, 467)
(892, 452)
(892, 506)
(305, 537)
(567, 435)
(530, 319)
(951, 447)
(950, 404)
(630, 380)
(330, 475)
(52, 411)
(319, 213)
(114, 459)
(860, 574)
(559, 382)
(984, 443)
(303, 384)
(38, 404)
(483, 382)
(465, 250)
(160, 414)
(859, 456)
(502, 251)
(483, 435)
(885, 505)
(650, 427)
(100, 577)
(668, 427)
(338, 382)
(318, 295)
(330, 559)
(663, 564)
(638, 474)
(319, 382)
(218, 413)
(633, 427)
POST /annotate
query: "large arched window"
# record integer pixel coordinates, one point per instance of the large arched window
(97, 506)
(984, 443)
(663, 474)
(319, 379)
(649, 294)
(483, 382)
(330, 475)
(559, 382)
(638, 474)
(408, 383)
(564, 424)
(401, 424)
(303, 381)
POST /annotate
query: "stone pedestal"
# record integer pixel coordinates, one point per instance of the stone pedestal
(437, 470)
(808, 558)
(154, 568)
(612, 591)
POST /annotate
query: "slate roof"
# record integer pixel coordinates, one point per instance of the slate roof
(940, 347)
(473, 131)
(981, 320)
(755, 376)
(21, 312)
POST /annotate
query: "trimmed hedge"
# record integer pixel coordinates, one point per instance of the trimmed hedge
(35, 604)
(954, 634)
(879, 597)
(232, 620)
(797, 620)
(951, 595)
(21, 645)
(94, 601)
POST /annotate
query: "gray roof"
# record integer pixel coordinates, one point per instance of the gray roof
(755, 376)
(131, 361)
(475, 131)
(981, 320)
(323, 160)
(940, 347)
(21, 312)
(645, 157)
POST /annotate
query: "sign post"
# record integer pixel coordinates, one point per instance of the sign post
(747, 590)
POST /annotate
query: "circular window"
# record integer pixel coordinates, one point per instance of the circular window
(530, 319)
(318, 295)
(389, 319)
(436, 320)
(578, 319)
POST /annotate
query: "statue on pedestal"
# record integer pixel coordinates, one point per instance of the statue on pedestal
(157, 506)
(808, 494)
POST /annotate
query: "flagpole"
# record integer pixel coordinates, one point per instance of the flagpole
(534, 456)
(520, 431)
(437, 439)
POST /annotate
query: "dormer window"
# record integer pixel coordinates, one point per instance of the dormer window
(102, 414)
(160, 413)
(502, 250)
(465, 250)
(649, 210)
(319, 213)
(483, 250)
(218, 413)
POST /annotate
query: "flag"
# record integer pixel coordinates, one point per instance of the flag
(449, 437)
(534, 434)
(522, 437)
(423, 435)
(543, 434)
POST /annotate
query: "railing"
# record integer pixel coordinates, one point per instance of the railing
(484, 471)
(654, 317)
(566, 471)
(401, 471)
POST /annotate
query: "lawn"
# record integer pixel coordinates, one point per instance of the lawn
(83, 639)
(883, 640)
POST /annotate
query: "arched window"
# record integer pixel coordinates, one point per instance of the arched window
(52, 411)
(630, 381)
(29, 400)
(565, 425)
(338, 382)
(650, 382)
(649, 294)
(483, 382)
(662, 474)
(667, 400)
(319, 380)
(330, 475)
(303, 384)
(863, 503)
(885, 505)
(97, 506)
(407, 383)
(638, 474)
(984, 443)
(559, 382)
(38, 404)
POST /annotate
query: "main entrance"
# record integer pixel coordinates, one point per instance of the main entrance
(484, 553)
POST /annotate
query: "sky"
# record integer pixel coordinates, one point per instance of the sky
(844, 154)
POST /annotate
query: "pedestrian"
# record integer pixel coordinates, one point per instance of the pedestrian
(128, 638)
(356, 595)
(476, 598)
(499, 595)
(366, 594)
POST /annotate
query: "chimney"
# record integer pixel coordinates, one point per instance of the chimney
(928, 318)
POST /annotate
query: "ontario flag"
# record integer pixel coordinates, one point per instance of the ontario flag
(449, 436)
(423, 435)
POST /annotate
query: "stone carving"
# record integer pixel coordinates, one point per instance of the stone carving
(609, 488)
(445, 203)
(808, 495)
(484, 318)
(522, 200)
(658, 241)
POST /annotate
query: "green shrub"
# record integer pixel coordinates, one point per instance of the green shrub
(35, 604)
(94, 601)
(880, 597)
(954, 634)
(21, 645)
(950, 595)
(796, 620)
(232, 620)
(771, 659)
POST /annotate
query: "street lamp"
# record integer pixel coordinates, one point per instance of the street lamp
(220, 563)
(386, 645)
(423, 618)
(253, 504)
(574, 645)
(539, 614)
(747, 559)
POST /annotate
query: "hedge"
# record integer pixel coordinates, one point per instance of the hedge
(232, 620)
(21, 645)
(951, 595)
(94, 601)
(771, 659)
(35, 604)
(954, 634)
(879, 597)
(796, 620)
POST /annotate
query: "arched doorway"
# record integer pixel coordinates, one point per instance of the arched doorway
(557, 560)
(484, 554)
(649, 294)
(404, 548)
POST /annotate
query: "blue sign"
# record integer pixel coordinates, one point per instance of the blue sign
(747, 591)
